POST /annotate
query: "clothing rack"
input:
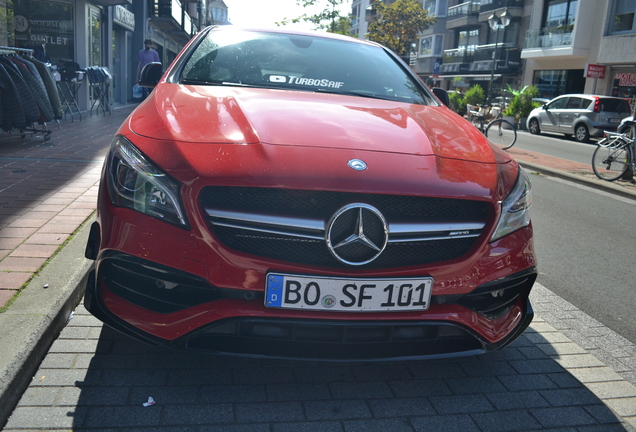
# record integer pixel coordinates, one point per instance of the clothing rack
(43, 132)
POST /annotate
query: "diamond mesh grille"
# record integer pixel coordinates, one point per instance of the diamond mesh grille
(323, 204)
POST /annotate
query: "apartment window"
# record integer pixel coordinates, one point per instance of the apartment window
(431, 46)
(355, 15)
(559, 15)
(622, 16)
(435, 7)
(468, 40)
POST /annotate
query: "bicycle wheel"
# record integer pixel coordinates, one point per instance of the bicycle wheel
(610, 163)
(501, 133)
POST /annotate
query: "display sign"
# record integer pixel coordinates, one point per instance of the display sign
(595, 71)
(626, 79)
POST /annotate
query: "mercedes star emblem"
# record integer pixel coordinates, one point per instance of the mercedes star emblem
(357, 234)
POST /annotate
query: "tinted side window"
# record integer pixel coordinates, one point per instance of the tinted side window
(615, 105)
(558, 103)
(575, 103)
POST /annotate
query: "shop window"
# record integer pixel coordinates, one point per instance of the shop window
(622, 16)
(46, 27)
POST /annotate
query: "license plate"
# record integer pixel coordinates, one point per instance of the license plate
(613, 120)
(343, 294)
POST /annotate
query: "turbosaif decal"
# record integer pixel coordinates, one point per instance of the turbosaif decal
(306, 81)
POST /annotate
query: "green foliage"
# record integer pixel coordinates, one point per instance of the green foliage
(521, 103)
(328, 19)
(397, 25)
(474, 96)
(457, 102)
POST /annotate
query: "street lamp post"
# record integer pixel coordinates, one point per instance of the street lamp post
(496, 23)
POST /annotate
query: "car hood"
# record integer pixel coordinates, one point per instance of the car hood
(235, 115)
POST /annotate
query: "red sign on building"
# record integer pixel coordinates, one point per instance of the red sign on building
(595, 71)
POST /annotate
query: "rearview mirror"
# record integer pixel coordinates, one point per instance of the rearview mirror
(442, 95)
(150, 75)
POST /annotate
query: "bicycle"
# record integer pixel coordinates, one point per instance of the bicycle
(499, 131)
(615, 154)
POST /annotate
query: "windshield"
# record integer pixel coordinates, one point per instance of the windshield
(307, 63)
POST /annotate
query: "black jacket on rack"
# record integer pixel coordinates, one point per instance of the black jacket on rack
(38, 91)
(51, 88)
(25, 98)
(12, 111)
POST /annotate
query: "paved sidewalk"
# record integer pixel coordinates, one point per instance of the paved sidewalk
(47, 190)
(567, 371)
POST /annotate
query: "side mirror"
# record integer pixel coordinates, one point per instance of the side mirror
(442, 95)
(150, 75)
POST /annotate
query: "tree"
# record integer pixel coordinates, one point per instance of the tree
(397, 25)
(328, 19)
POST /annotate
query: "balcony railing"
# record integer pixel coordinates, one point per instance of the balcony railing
(463, 10)
(548, 37)
(459, 60)
(488, 5)
(458, 55)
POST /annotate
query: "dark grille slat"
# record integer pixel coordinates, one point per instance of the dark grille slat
(323, 204)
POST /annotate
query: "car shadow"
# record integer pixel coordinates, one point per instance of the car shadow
(103, 378)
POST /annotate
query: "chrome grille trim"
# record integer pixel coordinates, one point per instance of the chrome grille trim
(315, 229)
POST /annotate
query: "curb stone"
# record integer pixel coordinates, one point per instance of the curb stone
(38, 315)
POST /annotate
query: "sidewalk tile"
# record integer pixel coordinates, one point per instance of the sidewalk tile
(17, 232)
(606, 390)
(34, 251)
(23, 222)
(6, 295)
(16, 264)
(47, 238)
(13, 280)
(58, 228)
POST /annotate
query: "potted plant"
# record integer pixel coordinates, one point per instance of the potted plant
(521, 104)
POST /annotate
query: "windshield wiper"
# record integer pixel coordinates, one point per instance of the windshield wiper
(357, 93)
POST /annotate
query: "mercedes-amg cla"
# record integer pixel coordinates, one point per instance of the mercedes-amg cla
(306, 195)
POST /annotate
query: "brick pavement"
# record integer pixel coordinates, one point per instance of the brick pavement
(47, 190)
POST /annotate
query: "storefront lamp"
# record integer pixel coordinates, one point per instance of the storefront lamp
(496, 24)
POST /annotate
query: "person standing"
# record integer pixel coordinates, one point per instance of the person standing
(146, 55)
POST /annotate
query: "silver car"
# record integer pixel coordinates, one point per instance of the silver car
(580, 115)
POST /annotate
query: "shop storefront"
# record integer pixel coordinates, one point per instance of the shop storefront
(47, 27)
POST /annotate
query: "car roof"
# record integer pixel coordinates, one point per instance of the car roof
(588, 96)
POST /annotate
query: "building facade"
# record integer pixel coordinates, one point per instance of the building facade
(561, 46)
(102, 33)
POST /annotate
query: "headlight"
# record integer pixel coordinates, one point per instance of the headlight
(515, 209)
(135, 183)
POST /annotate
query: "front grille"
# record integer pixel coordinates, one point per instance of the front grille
(334, 340)
(289, 225)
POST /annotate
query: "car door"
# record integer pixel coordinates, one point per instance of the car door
(571, 113)
(549, 116)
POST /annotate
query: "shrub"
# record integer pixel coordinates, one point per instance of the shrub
(521, 103)
(474, 96)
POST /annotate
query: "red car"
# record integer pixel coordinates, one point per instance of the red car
(305, 195)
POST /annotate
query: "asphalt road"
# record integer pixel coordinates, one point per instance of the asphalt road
(584, 240)
(557, 146)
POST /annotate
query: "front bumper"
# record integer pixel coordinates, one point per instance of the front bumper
(136, 297)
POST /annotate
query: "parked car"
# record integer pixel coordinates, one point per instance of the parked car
(542, 101)
(305, 195)
(581, 115)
